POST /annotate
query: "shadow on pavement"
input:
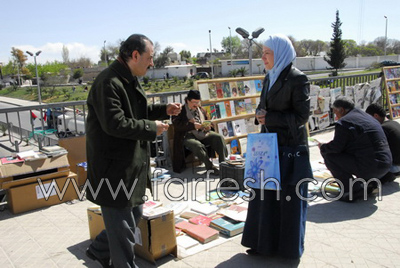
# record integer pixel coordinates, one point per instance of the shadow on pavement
(244, 260)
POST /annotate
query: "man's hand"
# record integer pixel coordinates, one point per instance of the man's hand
(161, 127)
(174, 108)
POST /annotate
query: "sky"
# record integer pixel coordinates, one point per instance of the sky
(84, 25)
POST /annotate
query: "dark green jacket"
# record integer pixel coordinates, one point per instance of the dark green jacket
(119, 129)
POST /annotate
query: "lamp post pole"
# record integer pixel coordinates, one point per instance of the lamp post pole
(386, 33)
(37, 74)
(105, 53)
(245, 34)
(212, 67)
(230, 43)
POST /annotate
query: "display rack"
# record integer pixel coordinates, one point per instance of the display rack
(392, 84)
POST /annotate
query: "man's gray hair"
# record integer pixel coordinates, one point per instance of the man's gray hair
(343, 102)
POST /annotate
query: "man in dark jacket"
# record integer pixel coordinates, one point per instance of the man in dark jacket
(190, 132)
(119, 128)
(392, 132)
(358, 148)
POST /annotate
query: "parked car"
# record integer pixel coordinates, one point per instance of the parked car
(200, 75)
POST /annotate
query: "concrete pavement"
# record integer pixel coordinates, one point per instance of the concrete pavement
(338, 234)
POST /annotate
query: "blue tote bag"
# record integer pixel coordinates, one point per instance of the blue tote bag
(262, 162)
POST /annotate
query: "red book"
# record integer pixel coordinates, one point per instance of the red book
(200, 232)
(206, 220)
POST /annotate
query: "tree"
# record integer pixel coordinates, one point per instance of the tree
(78, 73)
(19, 61)
(162, 60)
(228, 42)
(351, 48)
(185, 55)
(65, 54)
(336, 54)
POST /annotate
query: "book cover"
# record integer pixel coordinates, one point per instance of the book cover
(217, 111)
(212, 91)
(227, 226)
(152, 213)
(188, 214)
(204, 91)
(222, 109)
(213, 111)
(207, 108)
(229, 125)
(239, 127)
(240, 88)
(258, 85)
(233, 110)
(11, 160)
(228, 108)
(226, 89)
(233, 87)
(223, 129)
(262, 161)
(250, 87)
(220, 92)
(206, 220)
(251, 127)
(205, 209)
(243, 145)
(235, 147)
(248, 106)
(240, 107)
(200, 232)
(186, 242)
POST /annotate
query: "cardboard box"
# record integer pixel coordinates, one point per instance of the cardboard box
(158, 238)
(16, 171)
(76, 147)
(24, 195)
(155, 239)
(82, 174)
(95, 220)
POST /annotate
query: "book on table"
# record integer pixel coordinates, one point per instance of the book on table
(186, 242)
(227, 226)
(200, 232)
(200, 219)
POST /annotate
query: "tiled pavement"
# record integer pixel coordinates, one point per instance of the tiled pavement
(360, 234)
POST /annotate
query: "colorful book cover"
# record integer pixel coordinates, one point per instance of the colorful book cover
(205, 220)
(207, 108)
(220, 92)
(231, 133)
(262, 161)
(240, 107)
(234, 90)
(222, 109)
(243, 145)
(235, 147)
(200, 232)
(204, 91)
(248, 106)
(240, 88)
(227, 226)
(217, 111)
(258, 84)
(212, 91)
(213, 111)
(228, 108)
(226, 89)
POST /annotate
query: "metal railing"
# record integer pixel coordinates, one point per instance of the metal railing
(47, 132)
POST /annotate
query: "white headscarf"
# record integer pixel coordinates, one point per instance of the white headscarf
(284, 54)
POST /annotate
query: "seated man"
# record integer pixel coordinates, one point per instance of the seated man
(190, 132)
(392, 132)
(359, 148)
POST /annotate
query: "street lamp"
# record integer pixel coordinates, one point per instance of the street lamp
(37, 75)
(212, 67)
(386, 33)
(230, 43)
(245, 34)
(105, 53)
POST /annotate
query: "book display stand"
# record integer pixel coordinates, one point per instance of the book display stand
(392, 85)
(231, 104)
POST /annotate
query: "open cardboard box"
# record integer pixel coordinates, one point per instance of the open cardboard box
(28, 194)
(155, 240)
(17, 171)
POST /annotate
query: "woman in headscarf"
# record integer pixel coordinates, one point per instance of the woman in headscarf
(276, 226)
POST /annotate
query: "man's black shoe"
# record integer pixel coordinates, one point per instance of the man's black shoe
(104, 262)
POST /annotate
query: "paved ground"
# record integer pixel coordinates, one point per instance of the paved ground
(361, 234)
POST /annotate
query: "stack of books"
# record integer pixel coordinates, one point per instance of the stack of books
(53, 150)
